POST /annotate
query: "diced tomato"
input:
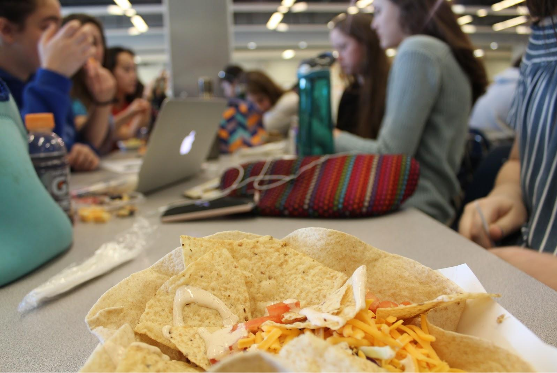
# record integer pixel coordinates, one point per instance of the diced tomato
(370, 295)
(387, 304)
(406, 303)
(253, 325)
(372, 306)
(234, 327)
(213, 361)
(278, 309)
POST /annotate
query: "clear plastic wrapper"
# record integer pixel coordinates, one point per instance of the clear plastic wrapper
(125, 247)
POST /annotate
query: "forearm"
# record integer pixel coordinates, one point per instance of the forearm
(122, 118)
(541, 266)
(129, 130)
(97, 126)
(508, 179)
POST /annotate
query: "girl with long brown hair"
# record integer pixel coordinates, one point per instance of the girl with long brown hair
(277, 105)
(434, 81)
(522, 207)
(366, 68)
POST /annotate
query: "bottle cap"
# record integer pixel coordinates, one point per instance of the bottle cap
(40, 121)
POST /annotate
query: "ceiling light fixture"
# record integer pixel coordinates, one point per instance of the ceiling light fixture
(139, 23)
(124, 4)
(479, 53)
(363, 3)
(283, 9)
(458, 9)
(115, 10)
(494, 46)
(288, 3)
(302, 45)
(274, 20)
(352, 10)
(131, 12)
(482, 12)
(390, 52)
(523, 30)
(282, 27)
(288, 54)
(299, 7)
(505, 4)
(133, 31)
(510, 23)
(469, 29)
(465, 20)
(252, 45)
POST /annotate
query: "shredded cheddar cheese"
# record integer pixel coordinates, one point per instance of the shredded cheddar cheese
(369, 338)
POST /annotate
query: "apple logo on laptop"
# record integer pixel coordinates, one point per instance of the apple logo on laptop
(187, 143)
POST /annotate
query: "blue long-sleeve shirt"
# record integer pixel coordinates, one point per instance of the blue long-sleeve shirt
(46, 92)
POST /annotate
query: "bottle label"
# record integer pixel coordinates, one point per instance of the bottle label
(54, 173)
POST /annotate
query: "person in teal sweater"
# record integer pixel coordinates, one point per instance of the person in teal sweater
(33, 228)
(433, 82)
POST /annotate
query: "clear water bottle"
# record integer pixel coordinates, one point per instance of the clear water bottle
(315, 124)
(48, 154)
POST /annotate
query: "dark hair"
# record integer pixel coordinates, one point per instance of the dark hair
(111, 59)
(79, 87)
(541, 8)
(231, 73)
(374, 69)
(111, 62)
(258, 83)
(436, 18)
(17, 11)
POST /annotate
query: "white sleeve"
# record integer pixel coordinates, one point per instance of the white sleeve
(278, 119)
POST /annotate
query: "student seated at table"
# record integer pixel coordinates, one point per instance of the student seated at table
(366, 68)
(229, 79)
(242, 123)
(93, 89)
(37, 59)
(521, 210)
(491, 112)
(33, 228)
(434, 80)
(131, 111)
(277, 105)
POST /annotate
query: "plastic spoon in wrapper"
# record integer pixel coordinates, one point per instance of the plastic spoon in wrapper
(125, 247)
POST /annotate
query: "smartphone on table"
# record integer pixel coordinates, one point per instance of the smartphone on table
(199, 210)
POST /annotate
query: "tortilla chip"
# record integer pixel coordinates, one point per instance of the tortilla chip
(125, 302)
(252, 362)
(215, 272)
(273, 271)
(339, 307)
(107, 355)
(390, 277)
(308, 353)
(170, 352)
(474, 354)
(141, 357)
(188, 340)
(413, 310)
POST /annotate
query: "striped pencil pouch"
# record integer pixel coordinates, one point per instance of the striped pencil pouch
(337, 186)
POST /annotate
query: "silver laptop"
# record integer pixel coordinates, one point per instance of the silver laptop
(180, 142)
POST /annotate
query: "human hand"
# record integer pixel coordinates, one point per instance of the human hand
(503, 214)
(66, 50)
(83, 158)
(139, 106)
(100, 82)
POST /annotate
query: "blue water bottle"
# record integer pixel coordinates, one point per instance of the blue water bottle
(315, 123)
(48, 154)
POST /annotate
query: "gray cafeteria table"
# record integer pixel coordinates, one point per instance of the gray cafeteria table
(54, 337)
